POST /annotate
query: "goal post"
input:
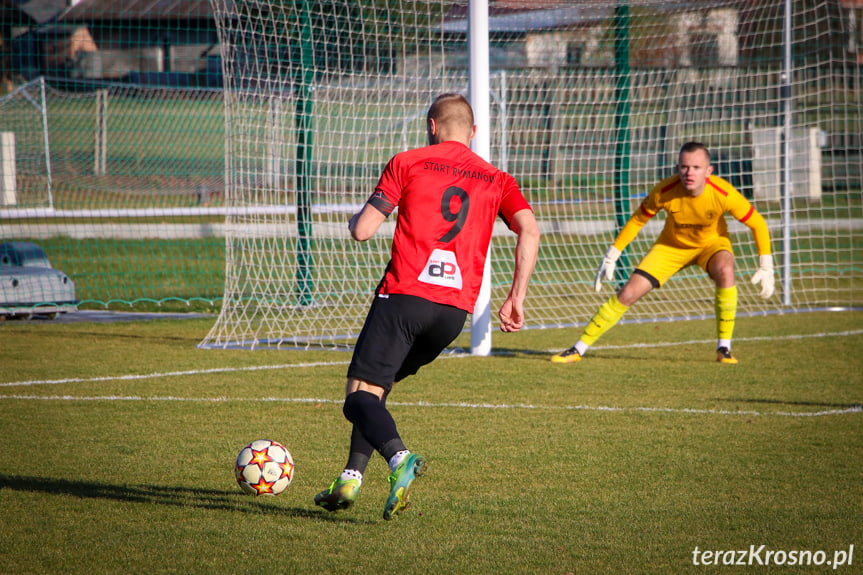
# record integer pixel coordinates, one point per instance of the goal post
(26, 147)
(589, 103)
(480, 100)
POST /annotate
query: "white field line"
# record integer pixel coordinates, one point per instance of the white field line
(759, 338)
(446, 355)
(457, 354)
(169, 374)
(450, 355)
(311, 400)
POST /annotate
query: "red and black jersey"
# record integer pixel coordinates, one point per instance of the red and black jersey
(448, 199)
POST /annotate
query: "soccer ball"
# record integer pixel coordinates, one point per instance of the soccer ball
(264, 467)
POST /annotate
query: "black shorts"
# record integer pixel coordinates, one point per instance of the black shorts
(401, 334)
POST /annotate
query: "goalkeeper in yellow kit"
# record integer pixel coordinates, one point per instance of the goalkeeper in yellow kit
(695, 233)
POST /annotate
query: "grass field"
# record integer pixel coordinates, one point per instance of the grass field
(118, 442)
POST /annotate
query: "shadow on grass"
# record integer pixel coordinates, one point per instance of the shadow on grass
(786, 402)
(165, 495)
(599, 355)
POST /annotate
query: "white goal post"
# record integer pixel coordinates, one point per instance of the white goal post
(589, 102)
(28, 147)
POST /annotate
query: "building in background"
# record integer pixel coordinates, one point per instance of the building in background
(133, 41)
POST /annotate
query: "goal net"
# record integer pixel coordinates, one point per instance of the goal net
(590, 103)
(25, 158)
(122, 187)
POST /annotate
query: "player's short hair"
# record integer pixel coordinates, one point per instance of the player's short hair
(451, 109)
(690, 147)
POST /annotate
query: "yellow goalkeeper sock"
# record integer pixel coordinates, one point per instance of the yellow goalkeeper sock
(603, 320)
(726, 309)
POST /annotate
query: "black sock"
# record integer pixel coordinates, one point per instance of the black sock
(370, 416)
(360, 452)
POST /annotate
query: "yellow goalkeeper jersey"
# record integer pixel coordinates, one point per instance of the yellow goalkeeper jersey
(692, 222)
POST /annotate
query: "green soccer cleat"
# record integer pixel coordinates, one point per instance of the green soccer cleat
(400, 480)
(570, 355)
(723, 355)
(340, 495)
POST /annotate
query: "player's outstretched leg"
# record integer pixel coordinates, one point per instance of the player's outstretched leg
(726, 310)
(603, 320)
(411, 467)
(341, 494)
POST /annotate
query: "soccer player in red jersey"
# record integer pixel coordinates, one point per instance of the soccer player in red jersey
(695, 233)
(448, 199)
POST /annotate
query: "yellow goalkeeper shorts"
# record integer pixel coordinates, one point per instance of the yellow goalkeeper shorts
(663, 260)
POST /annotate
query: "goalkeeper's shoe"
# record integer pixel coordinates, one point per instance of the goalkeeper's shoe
(411, 467)
(723, 355)
(570, 355)
(341, 494)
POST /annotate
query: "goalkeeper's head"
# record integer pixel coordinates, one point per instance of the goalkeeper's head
(694, 167)
(450, 117)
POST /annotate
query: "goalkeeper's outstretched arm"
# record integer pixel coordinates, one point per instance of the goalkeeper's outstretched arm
(764, 274)
(627, 234)
(760, 233)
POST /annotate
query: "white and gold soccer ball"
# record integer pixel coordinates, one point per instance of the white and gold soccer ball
(264, 467)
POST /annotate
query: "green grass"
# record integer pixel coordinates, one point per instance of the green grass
(120, 460)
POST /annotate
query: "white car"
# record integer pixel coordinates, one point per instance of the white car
(30, 286)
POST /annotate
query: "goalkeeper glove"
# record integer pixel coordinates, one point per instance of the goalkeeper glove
(606, 268)
(764, 276)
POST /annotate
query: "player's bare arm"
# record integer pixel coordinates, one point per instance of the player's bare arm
(366, 222)
(511, 313)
